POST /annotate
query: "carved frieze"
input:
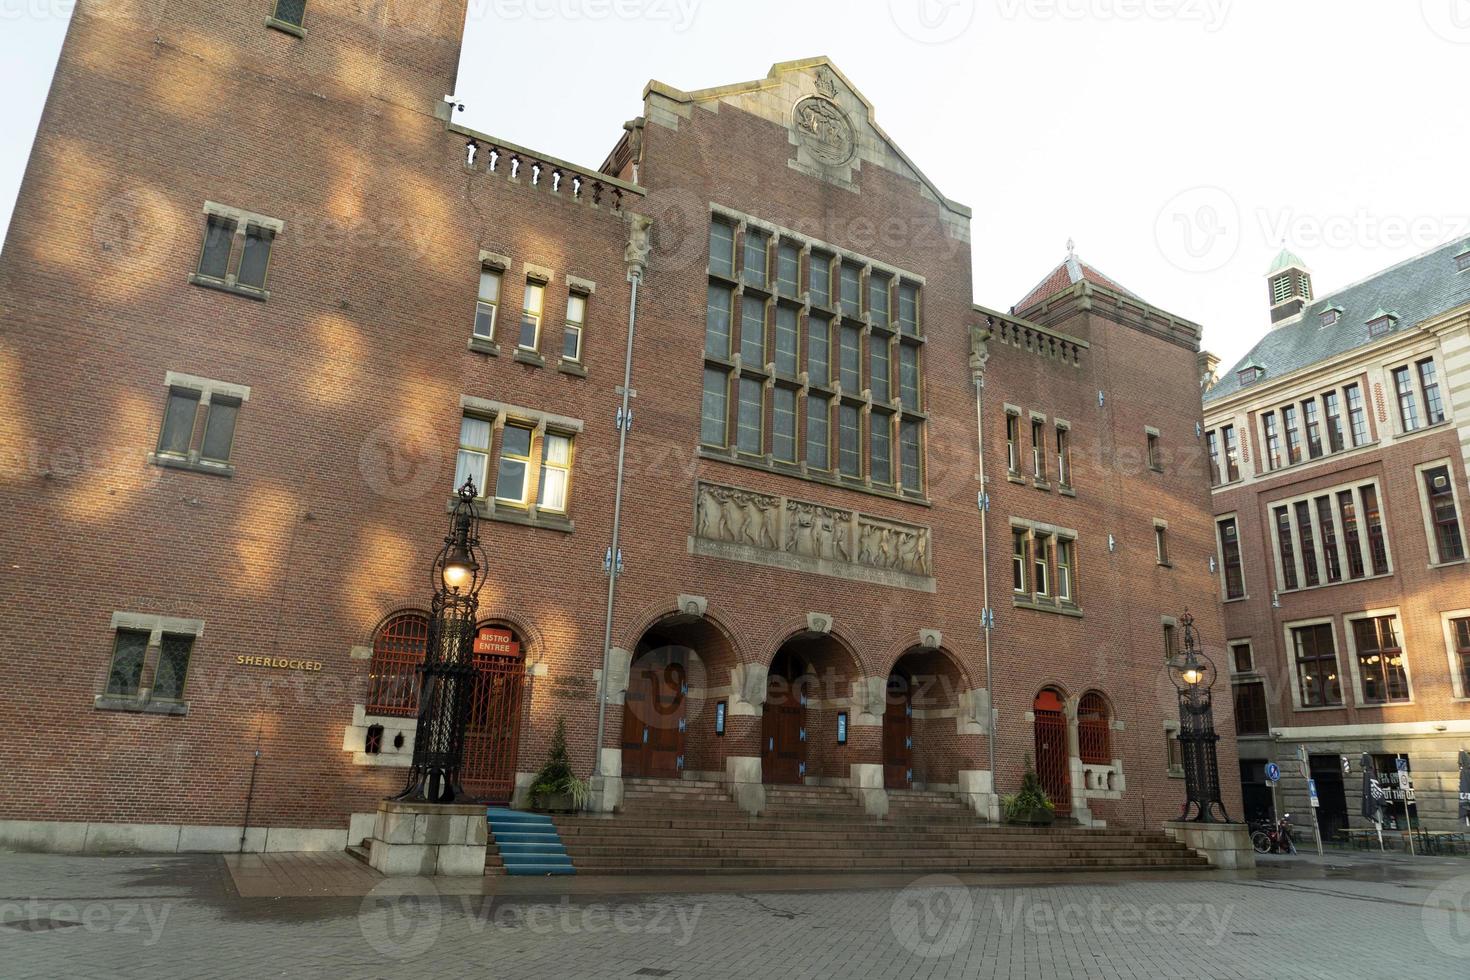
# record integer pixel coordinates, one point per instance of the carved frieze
(744, 525)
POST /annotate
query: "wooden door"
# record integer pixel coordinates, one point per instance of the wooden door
(783, 726)
(653, 716)
(1051, 749)
(898, 734)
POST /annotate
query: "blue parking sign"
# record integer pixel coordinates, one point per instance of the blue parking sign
(1273, 772)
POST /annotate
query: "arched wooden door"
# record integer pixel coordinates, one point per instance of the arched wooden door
(898, 733)
(493, 730)
(1051, 748)
(783, 724)
(653, 714)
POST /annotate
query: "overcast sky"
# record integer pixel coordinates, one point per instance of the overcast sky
(1177, 141)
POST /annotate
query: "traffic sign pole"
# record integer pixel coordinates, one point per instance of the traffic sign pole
(1403, 774)
(1316, 824)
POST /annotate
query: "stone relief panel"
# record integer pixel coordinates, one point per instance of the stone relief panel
(743, 525)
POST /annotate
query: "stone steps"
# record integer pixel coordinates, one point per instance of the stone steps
(493, 863)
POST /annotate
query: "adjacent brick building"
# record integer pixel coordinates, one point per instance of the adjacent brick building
(1337, 449)
(267, 305)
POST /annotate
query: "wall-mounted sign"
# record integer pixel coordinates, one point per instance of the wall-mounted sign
(842, 728)
(279, 663)
(720, 718)
(496, 641)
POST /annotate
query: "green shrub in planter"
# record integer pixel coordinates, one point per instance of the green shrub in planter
(556, 787)
(1029, 806)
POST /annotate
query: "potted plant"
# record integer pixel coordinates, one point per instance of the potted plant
(556, 788)
(1029, 806)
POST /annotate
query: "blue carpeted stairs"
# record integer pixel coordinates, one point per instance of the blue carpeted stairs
(528, 843)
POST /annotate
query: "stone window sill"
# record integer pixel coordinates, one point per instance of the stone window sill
(139, 704)
(191, 464)
(1015, 478)
(484, 345)
(1447, 564)
(1046, 606)
(574, 368)
(1041, 485)
(523, 356)
(507, 514)
(1239, 598)
(1176, 772)
(229, 287)
(284, 27)
(1066, 490)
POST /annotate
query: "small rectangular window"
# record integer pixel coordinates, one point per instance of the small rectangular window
(177, 437)
(788, 266)
(214, 260)
(910, 455)
(880, 369)
(849, 441)
(556, 473)
(473, 460)
(1038, 449)
(878, 299)
(821, 280)
(515, 464)
(753, 331)
(1155, 454)
(129, 647)
(908, 309)
(819, 350)
(173, 667)
(256, 257)
(488, 304)
(715, 409)
(786, 340)
(1020, 561)
(1429, 389)
(783, 424)
(291, 12)
(849, 363)
(1161, 543)
(1013, 442)
(571, 338)
(757, 244)
(1241, 658)
(722, 249)
(1408, 407)
(1040, 564)
(1357, 416)
(1273, 441)
(1462, 264)
(1064, 456)
(219, 429)
(818, 432)
(750, 420)
(531, 315)
(908, 376)
(1065, 570)
(1230, 559)
(1440, 492)
(850, 292)
(1250, 708)
(717, 322)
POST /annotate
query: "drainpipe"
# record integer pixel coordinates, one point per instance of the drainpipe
(987, 617)
(636, 257)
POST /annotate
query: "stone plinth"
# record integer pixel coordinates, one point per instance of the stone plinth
(1224, 845)
(428, 839)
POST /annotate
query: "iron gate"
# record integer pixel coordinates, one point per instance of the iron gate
(492, 735)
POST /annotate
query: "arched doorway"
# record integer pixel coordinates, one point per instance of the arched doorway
(783, 724)
(1052, 764)
(898, 732)
(654, 711)
(493, 729)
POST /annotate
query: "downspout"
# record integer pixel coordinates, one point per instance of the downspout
(978, 356)
(636, 256)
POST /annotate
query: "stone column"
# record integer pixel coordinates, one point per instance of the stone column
(743, 732)
(607, 791)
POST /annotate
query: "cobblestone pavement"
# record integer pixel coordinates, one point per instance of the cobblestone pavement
(181, 916)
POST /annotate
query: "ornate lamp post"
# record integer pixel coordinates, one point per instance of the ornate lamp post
(1193, 675)
(448, 669)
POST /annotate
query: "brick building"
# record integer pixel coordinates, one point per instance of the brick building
(1337, 450)
(263, 322)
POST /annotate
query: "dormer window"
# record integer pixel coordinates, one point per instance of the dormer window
(1330, 317)
(1250, 375)
(1381, 323)
(1462, 261)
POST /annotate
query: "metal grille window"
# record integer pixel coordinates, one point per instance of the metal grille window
(488, 303)
(1281, 289)
(1440, 492)
(173, 667)
(878, 286)
(749, 421)
(757, 243)
(786, 340)
(849, 445)
(818, 432)
(1380, 660)
(129, 647)
(753, 332)
(1094, 730)
(1429, 388)
(1230, 559)
(398, 649)
(511, 484)
(788, 266)
(819, 350)
(291, 12)
(717, 321)
(1408, 407)
(722, 249)
(714, 410)
(880, 448)
(1316, 666)
(783, 424)
(880, 368)
(571, 340)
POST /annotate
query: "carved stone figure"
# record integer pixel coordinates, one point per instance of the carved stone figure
(825, 130)
(636, 254)
(708, 511)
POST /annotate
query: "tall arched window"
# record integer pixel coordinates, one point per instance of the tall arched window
(398, 649)
(1094, 729)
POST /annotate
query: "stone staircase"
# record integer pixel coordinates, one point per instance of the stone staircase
(693, 827)
(526, 843)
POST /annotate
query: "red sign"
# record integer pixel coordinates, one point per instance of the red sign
(499, 642)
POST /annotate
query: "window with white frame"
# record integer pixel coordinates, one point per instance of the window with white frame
(488, 303)
(1380, 666)
(1224, 453)
(556, 472)
(531, 307)
(512, 481)
(1013, 441)
(1457, 640)
(526, 453)
(1044, 566)
(1417, 394)
(1064, 454)
(1038, 447)
(1329, 536)
(1440, 500)
(571, 340)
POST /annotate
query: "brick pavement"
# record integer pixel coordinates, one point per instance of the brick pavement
(181, 916)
